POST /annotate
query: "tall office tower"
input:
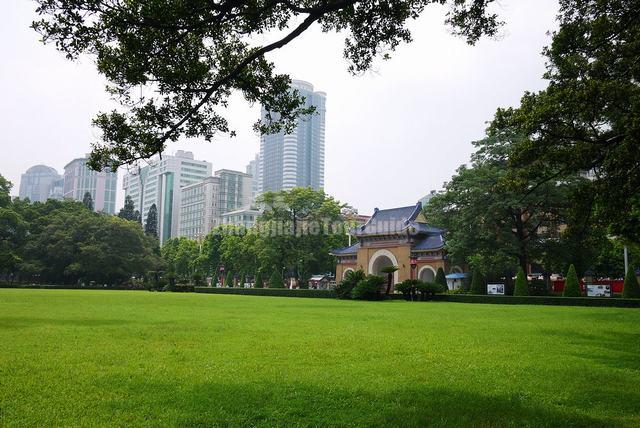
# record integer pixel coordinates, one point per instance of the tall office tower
(203, 203)
(38, 182)
(296, 159)
(160, 183)
(102, 186)
(253, 168)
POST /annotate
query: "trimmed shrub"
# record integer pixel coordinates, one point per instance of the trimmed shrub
(428, 289)
(571, 284)
(521, 288)
(346, 286)
(368, 288)
(631, 288)
(541, 300)
(228, 280)
(477, 283)
(408, 288)
(273, 292)
(258, 281)
(275, 280)
(441, 280)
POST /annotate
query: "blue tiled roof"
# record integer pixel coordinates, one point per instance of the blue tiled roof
(431, 242)
(389, 221)
(346, 250)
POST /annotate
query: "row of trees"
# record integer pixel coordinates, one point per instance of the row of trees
(66, 242)
(292, 238)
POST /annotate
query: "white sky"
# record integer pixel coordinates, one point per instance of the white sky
(391, 135)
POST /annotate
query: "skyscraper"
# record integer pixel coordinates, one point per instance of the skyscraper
(38, 183)
(295, 159)
(102, 186)
(253, 169)
(160, 183)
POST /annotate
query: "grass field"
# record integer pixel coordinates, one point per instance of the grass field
(96, 358)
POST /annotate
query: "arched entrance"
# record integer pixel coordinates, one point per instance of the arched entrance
(427, 274)
(380, 260)
(347, 270)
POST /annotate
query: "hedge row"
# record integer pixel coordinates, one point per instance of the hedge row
(539, 300)
(279, 292)
(68, 287)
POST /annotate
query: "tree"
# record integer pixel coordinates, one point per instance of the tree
(228, 280)
(181, 256)
(87, 201)
(275, 280)
(571, 284)
(191, 57)
(495, 220)
(258, 283)
(631, 288)
(13, 231)
(128, 212)
(441, 279)
(297, 231)
(478, 285)
(521, 288)
(151, 226)
(588, 118)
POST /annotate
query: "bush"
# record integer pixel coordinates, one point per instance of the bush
(631, 288)
(274, 292)
(441, 280)
(197, 279)
(228, 280)
(368, 288)
(522, 288)
(346, 286)
(477, 283)
(571, 284)
(541, 300)
(275, 280)
(408, 288)
(258, 281)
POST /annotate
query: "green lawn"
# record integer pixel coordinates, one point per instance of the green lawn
(137, 358)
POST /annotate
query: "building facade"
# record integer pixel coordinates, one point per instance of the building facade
(396, 237)
(253, 169)
(245, 217)
(40, 183)
(204, 203)
(101, 185)
(161, 183)
(296, 159)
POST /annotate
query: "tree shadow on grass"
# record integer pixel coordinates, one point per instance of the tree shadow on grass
(298, 404)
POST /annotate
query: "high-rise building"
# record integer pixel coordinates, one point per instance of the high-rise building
(203, 203)
(102, 186)
(253, 169)
(160, 183)
(295, 159)
(38, 183)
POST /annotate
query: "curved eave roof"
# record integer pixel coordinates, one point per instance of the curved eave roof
(346, 251)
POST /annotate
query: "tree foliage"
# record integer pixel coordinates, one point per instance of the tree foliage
(128, 212)
(478, 285)
(191, 56)
(87, 201)
(151, 226)
(588, 118)
(441, 279)
(346, 286)
(631, 288)
(369, 288)
(275, 280)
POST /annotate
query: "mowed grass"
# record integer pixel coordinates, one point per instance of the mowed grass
(96, 358)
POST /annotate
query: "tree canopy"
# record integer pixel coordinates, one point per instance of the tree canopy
(191, 55)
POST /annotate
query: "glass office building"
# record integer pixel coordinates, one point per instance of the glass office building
(101, 185)
(295, 159)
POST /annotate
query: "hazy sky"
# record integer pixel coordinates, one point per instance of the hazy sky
(392, 134)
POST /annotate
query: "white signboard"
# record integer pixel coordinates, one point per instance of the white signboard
(598, 290)
(495, 288)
